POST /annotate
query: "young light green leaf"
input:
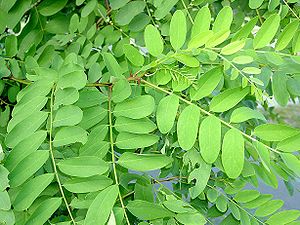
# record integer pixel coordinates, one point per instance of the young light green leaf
(27, 167)
(245, 196)
(267, 31)
(287, 35)
(131, 141)
(275, 132)
(217, 38)
(144, 162)
(251, 70)
(207, 83)
(243, 114)
(69, 115)
(202, 22)
(228, 99)
(187, 60)
(44, 211)
(135, 108)
(30, 191)
(147, 210)
(233, 153)
(290, 144)
(242, 59)
(69, 135)
(133, 55)
(139, 126)
(153, 40)
(245, 31)
(223, 20)
(83, 166)
(105, 201)
(200, 39)
(283, 217)
(87, 184)
(166, 113)
(279, 87)
(254, 4)
(210, 145)
(233, 47)
(178, 30)
(187, 127)
(194, 218)
(268, 208)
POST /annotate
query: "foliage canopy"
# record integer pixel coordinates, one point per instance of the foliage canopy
(147, 112)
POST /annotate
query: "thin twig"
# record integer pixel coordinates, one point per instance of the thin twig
(53, 159)
(113, 154)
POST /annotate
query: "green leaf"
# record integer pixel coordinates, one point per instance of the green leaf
(206, 83)
(131, 141)
(27, 167)
(83, 166)
(287, 35)
(201, 175)
(210, 138)
(31, 190)
(139, 126)
(164, 8)
(11, 45)
(144, 162)
(116, 4)
(69, 135)
(92, 116)
(217, 38)
(267, 31)
(228, 99)
(279, 87)
(242, 59)
(243, 114)
(44, 211)
(135, 108)
(202, 22)
(187, 127)
(133, 55)
(129, 11)
(283, 217)
(254, 4)
(105, 201)
(112, 65)
(3, 178)
(268, 208)
(120, 91)
(246, 30)
(233, 47)
(153, 41)
(251, 70)
(200, 39)
(25, 128)
(148, 210)
(290, 144)
(65, 96)
(246, 196)
(258, 201)
(166, 113)
(178, 29)
(275, 132)
(264, 154)
(194, 218)
(87, 184)
(88, 8)
(188, 60)
(72, 76)
(25, 148)
(51, 7)
(223, 20)
(4, 201)
(67, 116)
(233, 153)
(292, 162)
